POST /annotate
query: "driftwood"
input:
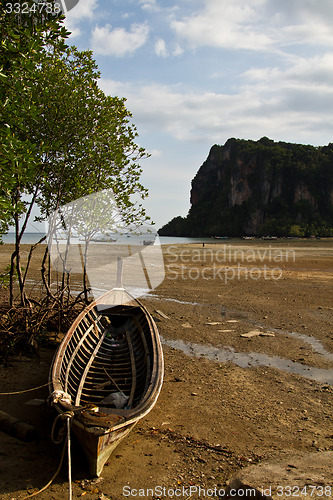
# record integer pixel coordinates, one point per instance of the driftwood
(17, 428)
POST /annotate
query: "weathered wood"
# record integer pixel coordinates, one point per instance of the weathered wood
(122, 349)
(17, 428)
(160, 313)
(145, 345)
(133, 368)
(88, 365)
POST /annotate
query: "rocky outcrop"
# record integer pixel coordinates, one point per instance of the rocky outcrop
(305, 474)
(260, 187)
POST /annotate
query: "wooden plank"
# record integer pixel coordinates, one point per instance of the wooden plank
(131, 352)
(83, 378)
(160, 313)
(145, 345)
(74, 354)
(17, 428)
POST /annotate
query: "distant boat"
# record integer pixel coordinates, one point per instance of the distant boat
(110, 367)
(221, 237)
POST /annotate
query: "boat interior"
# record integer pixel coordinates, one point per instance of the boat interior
(108, 359)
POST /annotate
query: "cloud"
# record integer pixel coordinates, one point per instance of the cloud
(294, 12)
(185, 116)
(155, 153)
(293, 104)
(314, 74)
(302, 23)
(160, 48)
(162, 51)
(257, 25)
(225, 24)
(85, 9)
(149, 5)
(119, 42)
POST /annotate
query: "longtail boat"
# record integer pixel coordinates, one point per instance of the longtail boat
(108, 373)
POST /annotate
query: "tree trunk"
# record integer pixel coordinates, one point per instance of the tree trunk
(85, 288)
(24, 299)
(11, 279)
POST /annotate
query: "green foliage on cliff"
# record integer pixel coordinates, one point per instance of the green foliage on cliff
(260, 188)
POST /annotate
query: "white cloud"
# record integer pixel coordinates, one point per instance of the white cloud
(313, 32)
(119, 42)
(294, 12)
(85, 9)
(314, 74)
(221, 23)
(185, 116)
(306, 22)
(178, 51)
(258, 25)
(160, 48)
(149, 5)
(155, 153)
(293, 104)
(162, 51)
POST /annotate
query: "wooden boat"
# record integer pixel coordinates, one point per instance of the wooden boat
(109, 371)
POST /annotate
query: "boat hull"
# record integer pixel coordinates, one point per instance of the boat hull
(109, 352)
(99, 447)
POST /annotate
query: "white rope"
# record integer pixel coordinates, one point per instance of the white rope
(62, 432)
(68, 416)
(51, 480)
(59, 396)
(69, 420)
(22, 392)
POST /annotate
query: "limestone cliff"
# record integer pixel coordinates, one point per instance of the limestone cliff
(260, 187)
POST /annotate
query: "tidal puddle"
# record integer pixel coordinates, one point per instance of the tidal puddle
(253, 359)
(308, 339)
(316, 345)
(168, 299)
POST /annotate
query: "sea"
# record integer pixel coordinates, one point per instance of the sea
(31, 238)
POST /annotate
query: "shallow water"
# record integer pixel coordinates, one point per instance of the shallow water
(168, 299)
(316, 344)
(247, 360)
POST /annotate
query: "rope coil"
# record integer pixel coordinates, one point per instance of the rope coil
(62, 431)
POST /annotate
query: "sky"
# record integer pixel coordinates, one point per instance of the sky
(197, 72)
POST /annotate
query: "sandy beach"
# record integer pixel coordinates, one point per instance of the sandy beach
(248, 345)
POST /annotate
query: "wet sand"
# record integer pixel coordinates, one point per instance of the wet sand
(228, 400)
